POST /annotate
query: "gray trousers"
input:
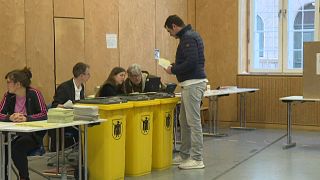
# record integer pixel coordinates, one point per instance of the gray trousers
(190, 121)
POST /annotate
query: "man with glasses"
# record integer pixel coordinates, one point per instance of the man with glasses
(72, 90)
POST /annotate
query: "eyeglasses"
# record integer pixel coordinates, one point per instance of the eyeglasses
(86, 74)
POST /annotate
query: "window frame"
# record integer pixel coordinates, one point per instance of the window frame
(245, 55)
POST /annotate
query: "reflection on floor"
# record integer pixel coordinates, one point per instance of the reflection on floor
(245, 155)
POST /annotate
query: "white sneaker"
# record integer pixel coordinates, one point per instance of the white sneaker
(177, 160)
(191, 164)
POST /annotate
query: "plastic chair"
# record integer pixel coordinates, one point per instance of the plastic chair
(71, 136)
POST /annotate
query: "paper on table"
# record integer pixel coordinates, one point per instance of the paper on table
(37, 124)
(68, 104)
(164, 63)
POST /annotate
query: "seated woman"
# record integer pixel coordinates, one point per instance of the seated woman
(22, 103)
(138, 80)
(113, 85)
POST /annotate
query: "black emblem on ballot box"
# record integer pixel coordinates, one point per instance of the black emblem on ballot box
(168, 120)
(145, 124)
(116, 129)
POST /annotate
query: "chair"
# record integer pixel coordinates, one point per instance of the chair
(71, 144)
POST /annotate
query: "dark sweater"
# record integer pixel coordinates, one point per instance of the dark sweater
(110, 90)
(190, 59)
(35, 107)
(65, 92)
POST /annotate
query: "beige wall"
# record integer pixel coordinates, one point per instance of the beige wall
(51, 35)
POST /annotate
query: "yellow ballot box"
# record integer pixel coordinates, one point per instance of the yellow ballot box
(163, 133)
(106, 142)
(139, 138)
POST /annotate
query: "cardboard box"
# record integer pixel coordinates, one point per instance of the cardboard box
(311, 70)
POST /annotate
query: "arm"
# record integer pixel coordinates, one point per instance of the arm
(107, 90)
(38, 106)
(60, 96)
(4, 116)
(190, 55)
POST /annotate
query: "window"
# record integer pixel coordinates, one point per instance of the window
(260, 30)
(277, 30)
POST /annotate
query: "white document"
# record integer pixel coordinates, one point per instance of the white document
(111, 40)
(68, 104)
(318, 64)
(164, 63)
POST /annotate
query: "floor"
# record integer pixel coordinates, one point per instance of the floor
(246, 155)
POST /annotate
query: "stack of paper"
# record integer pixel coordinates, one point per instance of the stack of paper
(164, 63)
(60, 115)
(86, 113)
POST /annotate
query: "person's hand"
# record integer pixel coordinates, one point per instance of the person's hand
(18, 117)
(168, 70)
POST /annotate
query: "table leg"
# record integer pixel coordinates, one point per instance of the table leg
(242, 114)
(85, 152)
(3, 155)
(213, 113)
(9, 155)
(80, 153)
(2, 162)
(175, 129)
(57, 150)
(289, 144)
(64, 169)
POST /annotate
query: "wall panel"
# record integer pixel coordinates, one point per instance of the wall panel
(68, 8)
(137, 33)
(69, 46)
(217, 22)
(164, 42)
(264, 107)
(101, 17)
(40, 45)
(12, 35)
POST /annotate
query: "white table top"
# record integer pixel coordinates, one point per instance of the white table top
(34, 126)
(297, 98)
(222, 92)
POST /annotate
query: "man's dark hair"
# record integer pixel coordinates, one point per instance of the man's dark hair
(79, 68)
(173, 19)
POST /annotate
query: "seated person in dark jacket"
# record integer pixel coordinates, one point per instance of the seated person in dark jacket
(113, 85)
(137, 80)
(73, 90)
(22, 103)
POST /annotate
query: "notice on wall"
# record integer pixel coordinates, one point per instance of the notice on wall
(111, 40)
(318, 63)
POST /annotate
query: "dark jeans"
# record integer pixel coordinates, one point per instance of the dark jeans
(21, 146)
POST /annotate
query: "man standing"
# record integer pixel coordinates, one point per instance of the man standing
(189, 70)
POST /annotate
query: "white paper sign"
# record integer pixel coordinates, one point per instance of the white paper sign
(111, 40)
(156, 54)
(318, 64)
